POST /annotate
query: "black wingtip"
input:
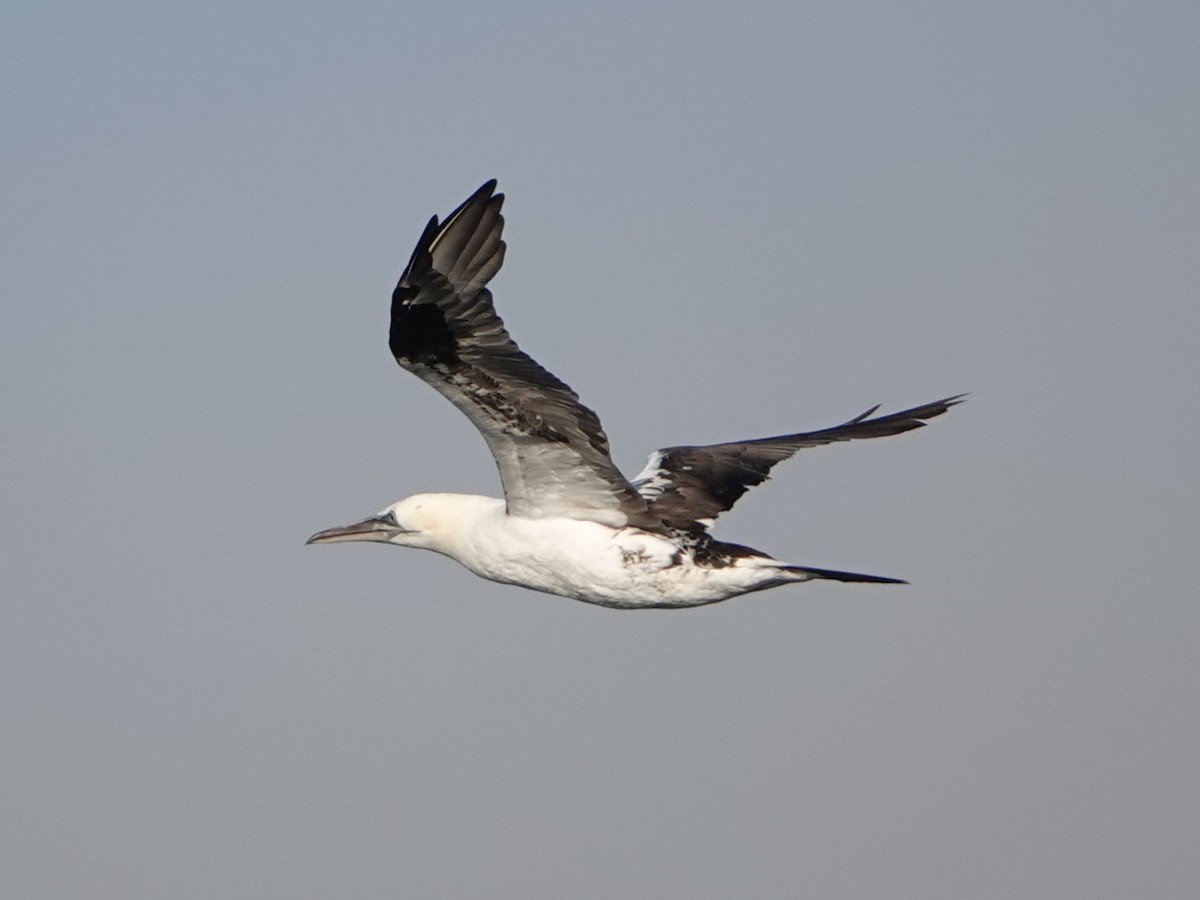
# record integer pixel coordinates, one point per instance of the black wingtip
(927, 410)
(893, 423)
(486, 192)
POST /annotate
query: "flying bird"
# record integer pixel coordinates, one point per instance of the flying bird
(570, 523)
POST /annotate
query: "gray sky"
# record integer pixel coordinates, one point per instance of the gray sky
(723, 222)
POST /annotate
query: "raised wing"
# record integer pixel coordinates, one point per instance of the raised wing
(688, 487)
(552, 453)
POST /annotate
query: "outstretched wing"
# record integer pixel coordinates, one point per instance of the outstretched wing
(688, 487)
(552, 453)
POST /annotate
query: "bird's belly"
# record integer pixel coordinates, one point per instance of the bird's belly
(624, 568)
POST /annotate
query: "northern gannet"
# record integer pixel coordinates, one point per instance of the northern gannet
(570, 523)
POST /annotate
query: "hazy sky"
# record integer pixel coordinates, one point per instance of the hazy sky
(724, 221)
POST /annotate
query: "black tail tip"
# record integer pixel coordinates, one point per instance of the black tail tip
(852, 577)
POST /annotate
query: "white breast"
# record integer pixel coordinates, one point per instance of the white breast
(595, 563)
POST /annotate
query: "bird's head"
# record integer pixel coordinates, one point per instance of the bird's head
(406, 523)
(431, 521)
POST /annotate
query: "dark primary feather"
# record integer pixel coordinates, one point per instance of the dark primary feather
(550, 449)
(685, 485)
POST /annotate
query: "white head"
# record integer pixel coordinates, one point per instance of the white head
(431, 521)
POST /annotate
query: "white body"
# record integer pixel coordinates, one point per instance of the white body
(617, 567)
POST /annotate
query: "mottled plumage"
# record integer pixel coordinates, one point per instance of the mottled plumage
(570, 523)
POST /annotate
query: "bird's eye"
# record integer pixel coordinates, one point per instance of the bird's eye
(390, 518)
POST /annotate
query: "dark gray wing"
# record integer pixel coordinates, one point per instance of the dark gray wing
(688, 487)
(551, 451)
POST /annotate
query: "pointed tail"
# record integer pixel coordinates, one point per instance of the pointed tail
(834, 575)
